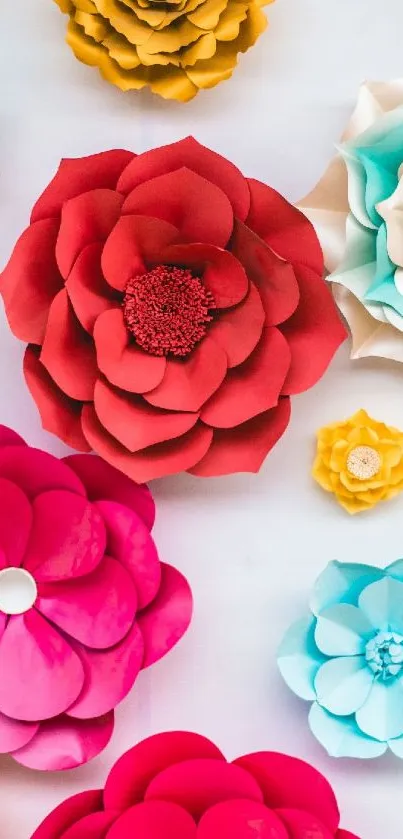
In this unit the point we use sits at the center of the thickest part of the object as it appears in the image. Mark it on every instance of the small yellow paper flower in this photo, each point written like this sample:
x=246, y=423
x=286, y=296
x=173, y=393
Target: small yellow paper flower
x=175, y=47
x=360, y=460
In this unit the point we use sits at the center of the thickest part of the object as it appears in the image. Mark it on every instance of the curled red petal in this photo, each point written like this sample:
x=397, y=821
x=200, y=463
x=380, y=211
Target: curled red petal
x=199, y=209
x=206, y=163
x=59, y=414
x=233, y=820
x=253, y=387
x=283, y=227
x=156, y=461
x=14, y=734
x=244, y=448
x=30, y=281
x=189, y=382
x=93, y=826
x=65, y=743
x=122, y=362
x=134, y=243
x=154, y=820
x=313, y=333
x=80, y=174
x=134, y=422
x=85, y=219
x=222, y=274
x=67, y=813
x=239, y=329
x=68, y=352
x=301, y=824
x=274, y=279
x=133, y=772
x=168, y=616
x=88, y=292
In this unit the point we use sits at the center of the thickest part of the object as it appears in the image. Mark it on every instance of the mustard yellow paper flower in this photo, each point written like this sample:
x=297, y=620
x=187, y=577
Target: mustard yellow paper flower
x=360, y=460
x=175, y=47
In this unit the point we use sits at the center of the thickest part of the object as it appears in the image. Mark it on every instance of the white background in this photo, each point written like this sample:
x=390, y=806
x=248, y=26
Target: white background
x=251, y=546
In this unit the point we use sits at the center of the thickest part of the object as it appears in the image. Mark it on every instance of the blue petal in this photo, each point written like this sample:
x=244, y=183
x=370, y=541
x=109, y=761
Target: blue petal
x=395, y=570
x=299, y=658
x=342, y=582
x=342, y=630
x=381, y=716
x=382, y=603
x=342, y=684
x=341, y=736
x=396, y=746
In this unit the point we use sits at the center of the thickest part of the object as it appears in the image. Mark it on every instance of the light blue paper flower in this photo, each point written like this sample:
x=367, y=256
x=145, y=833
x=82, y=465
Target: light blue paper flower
x=347, y=659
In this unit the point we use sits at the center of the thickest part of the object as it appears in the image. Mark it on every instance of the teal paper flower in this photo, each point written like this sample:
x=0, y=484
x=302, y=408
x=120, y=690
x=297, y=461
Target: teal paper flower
x=347, y=659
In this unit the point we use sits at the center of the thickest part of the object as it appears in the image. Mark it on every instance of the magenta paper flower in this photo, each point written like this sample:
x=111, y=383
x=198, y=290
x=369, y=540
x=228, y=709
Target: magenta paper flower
x=85, y=603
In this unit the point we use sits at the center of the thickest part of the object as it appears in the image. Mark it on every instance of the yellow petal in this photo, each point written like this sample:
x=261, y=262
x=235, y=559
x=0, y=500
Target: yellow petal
x=230, y=21
x=321, y=475
x=94, y=25
x=353, y=505
x=124, y=79
x=338, y=455
x=157, y=58
x=208, y=13
x=124, y=21
x=65, y=6
x=84, y=48
x=204, y=48
x=205, y=74
x=251, y=28
x=121, y=51
x=173, y=83
x=363, y=436
x=173, y=38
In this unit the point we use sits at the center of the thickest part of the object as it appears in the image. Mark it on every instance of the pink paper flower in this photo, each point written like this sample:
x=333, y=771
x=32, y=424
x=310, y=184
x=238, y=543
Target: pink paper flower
x=85, y=603
x=178, y=785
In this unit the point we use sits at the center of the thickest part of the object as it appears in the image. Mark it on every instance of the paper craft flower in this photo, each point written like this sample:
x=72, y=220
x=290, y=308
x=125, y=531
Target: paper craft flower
x=175, y=47
x=357, y=211
x=179, y=784
x=85, y=603
x=172, y=306
x=347, y=658
x=360, y=461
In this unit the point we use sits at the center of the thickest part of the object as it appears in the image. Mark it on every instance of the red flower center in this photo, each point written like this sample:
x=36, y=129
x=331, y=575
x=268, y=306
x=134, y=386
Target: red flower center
x=167, y=310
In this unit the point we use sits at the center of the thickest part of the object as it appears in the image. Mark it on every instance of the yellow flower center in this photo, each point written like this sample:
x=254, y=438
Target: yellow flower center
x=363, y=462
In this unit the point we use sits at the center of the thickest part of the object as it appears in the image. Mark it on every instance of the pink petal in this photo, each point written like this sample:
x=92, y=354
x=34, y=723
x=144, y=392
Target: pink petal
x=97, y=610
x=239, y=329
x=189, y=382
x=93, y=826
x=110, y=674
x=67, y=813
x=235, y=819
x=152, y=820
x=14, y=734
x=134, y=243
x=129, y=541
x=79, y=174
x=345, y=834
x=88, y=292
x=15, y=521
x=122, y=362
x=254, y=386
x=103, y=482
x=87, y=218
x=66, y=743
x=68, y=537
x=302, y=825
x=42, y=675
x=167, y=618
x=196, y=785
x=132, y=773
x=35, y=471
x=221, y=273
x=8, y=437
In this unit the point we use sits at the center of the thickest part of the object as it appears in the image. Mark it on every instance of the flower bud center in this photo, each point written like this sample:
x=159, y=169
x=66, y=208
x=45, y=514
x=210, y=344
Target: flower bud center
x=384, y=655
x=363, y=462
x=18, y=591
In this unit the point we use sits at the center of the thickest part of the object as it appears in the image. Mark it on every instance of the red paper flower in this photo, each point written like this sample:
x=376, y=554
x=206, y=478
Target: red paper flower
x=172, y=306
x=84, y=601
x=179, y=785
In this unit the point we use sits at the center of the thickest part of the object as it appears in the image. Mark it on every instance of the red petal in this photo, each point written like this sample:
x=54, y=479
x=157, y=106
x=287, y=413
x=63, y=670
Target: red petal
x=68, y=352
x=238, y=330
x=313, y=333
x=68, y=537
x=167, y=618
x=89, y=294
x=15, y=734
x=68, y=813
x=199, y=159
x=302, y=825
x=290, y=782
x=274, y=279
x=59, y=414
x=35, y=471
x=345, y=834
x=244, y=448
x=154, y=462
x=86, y=219
x=222, y=274
x=65, y=743
x=135, y=423
x=8, y=437
x=195, y=206
x=189, y=382
x=79, y=174
x=30, y=281
x=102, y=481
x=153, y=820
x=129, y=541
x=125, y=365
x=283, y=227
x=131, y=775
x=253, y=387
x=135, y=242
x=198, y=784
x=15, y=522
x=93, y=826
x=236, y=819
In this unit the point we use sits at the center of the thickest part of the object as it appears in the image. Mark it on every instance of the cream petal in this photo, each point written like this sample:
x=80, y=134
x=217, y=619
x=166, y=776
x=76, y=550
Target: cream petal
x=327, y=209
x=369, y=337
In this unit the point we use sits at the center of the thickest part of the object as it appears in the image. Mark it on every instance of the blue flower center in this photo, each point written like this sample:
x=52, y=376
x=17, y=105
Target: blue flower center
x=384, y=655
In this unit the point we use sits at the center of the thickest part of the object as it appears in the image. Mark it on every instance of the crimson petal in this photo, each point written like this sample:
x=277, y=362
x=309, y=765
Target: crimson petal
x=93, y=826
x=189, y=382
x=222, y=274
x=65, y=743
x=238, y=330
x=188, y=152
x=235, y=819
x=8, y=437
x=30, y=281
x=88, y=292
x=15, y=522
x=153, y=820
x=14, y=734
x=303, y=825
x=125, y=365
x=167, y=618
x=134, y=243
x=244, y=448
x=85, y=219
x=77, y=175
x=35, y=471
x=67, y=813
